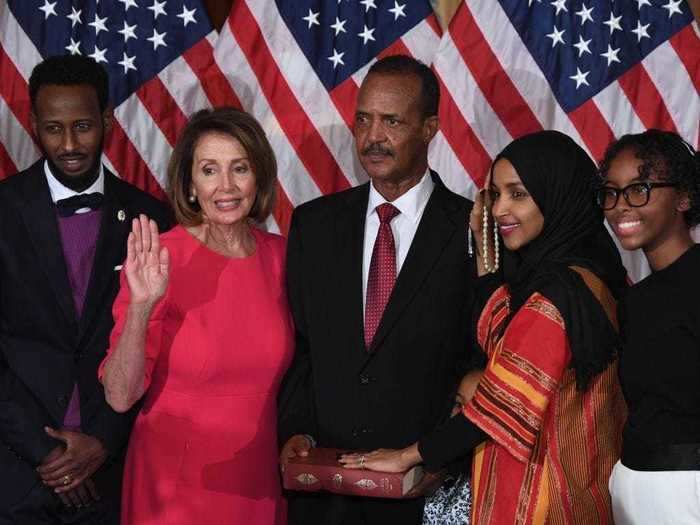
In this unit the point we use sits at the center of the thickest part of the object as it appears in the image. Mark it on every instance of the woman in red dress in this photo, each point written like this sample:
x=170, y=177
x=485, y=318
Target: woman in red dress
x=204, y=336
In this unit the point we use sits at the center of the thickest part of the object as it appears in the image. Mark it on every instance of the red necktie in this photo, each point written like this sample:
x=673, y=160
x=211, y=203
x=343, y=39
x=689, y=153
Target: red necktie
x=382, y=271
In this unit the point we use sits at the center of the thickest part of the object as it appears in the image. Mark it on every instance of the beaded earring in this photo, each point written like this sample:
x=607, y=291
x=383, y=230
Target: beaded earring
x=485, y=240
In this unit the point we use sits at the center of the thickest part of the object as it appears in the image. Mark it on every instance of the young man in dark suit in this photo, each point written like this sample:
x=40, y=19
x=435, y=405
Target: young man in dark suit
x=380, y=287
x=63, y=227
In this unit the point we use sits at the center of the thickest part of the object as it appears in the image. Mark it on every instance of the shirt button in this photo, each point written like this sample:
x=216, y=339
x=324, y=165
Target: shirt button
x=364, y=380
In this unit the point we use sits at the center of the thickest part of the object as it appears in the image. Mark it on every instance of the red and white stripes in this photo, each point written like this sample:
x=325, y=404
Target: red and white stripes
x=310, y=129
x=492, y=92
x=146, y=125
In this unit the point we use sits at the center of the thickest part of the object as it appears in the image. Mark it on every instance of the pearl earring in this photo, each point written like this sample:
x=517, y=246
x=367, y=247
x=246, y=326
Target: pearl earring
x=485, y=247
x=192, y=199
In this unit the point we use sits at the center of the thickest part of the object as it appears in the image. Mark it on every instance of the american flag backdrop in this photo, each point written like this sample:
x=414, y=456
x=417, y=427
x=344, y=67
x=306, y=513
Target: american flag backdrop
x=297, y=67
x=594, y=69
x=158, y=54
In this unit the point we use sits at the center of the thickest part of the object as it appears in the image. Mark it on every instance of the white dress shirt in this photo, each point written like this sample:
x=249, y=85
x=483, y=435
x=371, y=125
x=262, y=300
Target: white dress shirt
x=411, y=205
x=59, y=191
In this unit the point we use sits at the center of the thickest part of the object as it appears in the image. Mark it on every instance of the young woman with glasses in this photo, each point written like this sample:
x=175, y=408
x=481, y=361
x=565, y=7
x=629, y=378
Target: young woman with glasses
x=651, y=198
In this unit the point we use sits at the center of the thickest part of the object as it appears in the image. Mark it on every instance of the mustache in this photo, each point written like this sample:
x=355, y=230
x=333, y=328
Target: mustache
x=377, y=149
x=71, y=156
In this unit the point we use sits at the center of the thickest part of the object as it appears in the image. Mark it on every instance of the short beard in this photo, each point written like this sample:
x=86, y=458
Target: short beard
x=81, y=182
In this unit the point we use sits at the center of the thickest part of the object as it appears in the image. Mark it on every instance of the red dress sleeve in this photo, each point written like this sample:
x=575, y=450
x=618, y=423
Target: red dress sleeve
x=524, y=372
x=154, y=332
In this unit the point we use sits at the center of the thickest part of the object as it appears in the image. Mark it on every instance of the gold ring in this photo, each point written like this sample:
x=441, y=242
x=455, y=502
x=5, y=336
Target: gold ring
x=66, y=479
x=362, y=461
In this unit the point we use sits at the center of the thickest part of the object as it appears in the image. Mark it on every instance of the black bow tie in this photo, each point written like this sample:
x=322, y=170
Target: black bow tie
x=68, y=207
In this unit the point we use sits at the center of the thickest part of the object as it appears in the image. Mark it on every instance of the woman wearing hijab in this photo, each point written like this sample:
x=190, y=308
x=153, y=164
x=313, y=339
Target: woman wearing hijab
x=545, y=419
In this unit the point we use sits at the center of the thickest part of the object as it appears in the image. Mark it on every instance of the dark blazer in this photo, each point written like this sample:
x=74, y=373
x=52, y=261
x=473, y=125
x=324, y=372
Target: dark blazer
x=399, y=390
x=44, y=348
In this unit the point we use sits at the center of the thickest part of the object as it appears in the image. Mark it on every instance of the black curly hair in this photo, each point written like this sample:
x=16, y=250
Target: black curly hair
x=70, y=70
x=666, y=155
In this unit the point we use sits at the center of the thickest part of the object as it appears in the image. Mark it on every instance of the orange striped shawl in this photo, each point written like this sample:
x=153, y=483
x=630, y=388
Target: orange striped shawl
x=552, y=448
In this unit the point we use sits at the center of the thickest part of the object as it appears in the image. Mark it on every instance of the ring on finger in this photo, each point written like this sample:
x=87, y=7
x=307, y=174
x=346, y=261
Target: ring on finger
x=362, y=461
x=66, y=479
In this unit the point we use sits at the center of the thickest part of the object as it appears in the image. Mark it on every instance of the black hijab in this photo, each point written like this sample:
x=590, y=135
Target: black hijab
x=561, y=178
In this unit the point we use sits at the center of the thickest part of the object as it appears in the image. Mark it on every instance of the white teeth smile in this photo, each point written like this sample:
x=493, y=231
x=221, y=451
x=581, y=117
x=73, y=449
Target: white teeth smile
x=627, y=225
x=227, y=204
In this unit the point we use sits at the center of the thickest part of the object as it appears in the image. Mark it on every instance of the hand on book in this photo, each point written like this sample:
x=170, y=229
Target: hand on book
x=321, y=470
x=297, y=445
x=384, y=459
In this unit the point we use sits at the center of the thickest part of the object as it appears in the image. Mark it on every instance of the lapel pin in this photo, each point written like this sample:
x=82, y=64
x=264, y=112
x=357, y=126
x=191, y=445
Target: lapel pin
x=121, y=215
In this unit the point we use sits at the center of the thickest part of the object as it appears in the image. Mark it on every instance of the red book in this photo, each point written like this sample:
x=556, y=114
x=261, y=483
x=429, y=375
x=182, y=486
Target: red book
x=320, y=470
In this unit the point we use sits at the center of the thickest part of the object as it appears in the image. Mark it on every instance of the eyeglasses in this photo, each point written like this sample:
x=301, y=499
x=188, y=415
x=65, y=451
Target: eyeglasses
x=636, y=195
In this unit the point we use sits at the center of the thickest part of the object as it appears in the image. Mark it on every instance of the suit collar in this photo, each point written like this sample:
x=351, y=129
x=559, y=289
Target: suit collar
x=437, y=226
x=39, y=216
x=113, y=231
x=440, y=221
x=348, y=240
x=411, y=204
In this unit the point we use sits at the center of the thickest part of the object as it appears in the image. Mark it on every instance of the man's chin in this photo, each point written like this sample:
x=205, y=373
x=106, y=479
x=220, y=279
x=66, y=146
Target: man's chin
x=78, y=172
x=377, y=170
x=80, y=177
x=75, y=173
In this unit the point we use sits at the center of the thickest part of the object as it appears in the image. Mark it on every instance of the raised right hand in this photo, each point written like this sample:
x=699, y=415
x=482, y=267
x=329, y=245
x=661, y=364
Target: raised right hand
x=297, y=445
x=147, y=264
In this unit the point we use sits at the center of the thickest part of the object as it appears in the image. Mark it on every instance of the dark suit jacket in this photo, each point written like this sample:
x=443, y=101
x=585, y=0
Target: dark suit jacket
x=44, y=348
x=399, y=390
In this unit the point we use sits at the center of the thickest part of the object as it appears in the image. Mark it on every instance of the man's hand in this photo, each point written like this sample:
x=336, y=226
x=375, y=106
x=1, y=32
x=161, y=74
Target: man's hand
x=81, y=458
x=81, y=496
x=54, y=454
x=298, y=445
